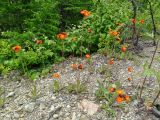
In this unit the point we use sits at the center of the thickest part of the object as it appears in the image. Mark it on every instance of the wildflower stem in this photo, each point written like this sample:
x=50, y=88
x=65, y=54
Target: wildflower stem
x=156, y=98
x=142, y=87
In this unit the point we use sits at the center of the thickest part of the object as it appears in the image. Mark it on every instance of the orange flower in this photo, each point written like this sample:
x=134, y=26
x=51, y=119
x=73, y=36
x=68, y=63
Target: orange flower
x=88, y=56
x=85, y=13
x=130, y=69
x=120, y=92
x=113, y=33
x=112, y=89
x=133, y=21
x=16, y=48
x=119, y=99
x=39, y=41
x=80, y=66
x=127, y=98
x=123, y=49
x=129, y=79
x=141, y=21
x=62, y=35
x=111, y=61
x=74, y=66
x=56, y=75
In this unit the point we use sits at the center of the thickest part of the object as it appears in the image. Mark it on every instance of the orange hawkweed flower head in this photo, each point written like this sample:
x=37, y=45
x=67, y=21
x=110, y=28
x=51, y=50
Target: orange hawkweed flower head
x=123, y=48
x=62, y=35
x=119, y=99
x=111, y=61
x=129, y=79
x=130, y=69
x=113, y=33
x=74, y=66
x=88, y=56
x=120, y=92
x=85, y=13
x=17, y=48
x=133, y=21
x=127, y=98
x=80, y=66
x=56, y=75
x=112, y=89
x=39, y=41
x=141, y=21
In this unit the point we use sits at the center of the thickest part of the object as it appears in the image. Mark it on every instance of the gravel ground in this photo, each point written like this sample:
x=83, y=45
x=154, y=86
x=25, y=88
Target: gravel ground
x=64, y=106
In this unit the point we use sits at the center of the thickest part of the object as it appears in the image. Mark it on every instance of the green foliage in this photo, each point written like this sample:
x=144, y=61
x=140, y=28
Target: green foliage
x=76, y=87
x=56, y=86
x=70, y=10
x=45, y=18
x=2, y=101
x=107, y=96
x=34, y=92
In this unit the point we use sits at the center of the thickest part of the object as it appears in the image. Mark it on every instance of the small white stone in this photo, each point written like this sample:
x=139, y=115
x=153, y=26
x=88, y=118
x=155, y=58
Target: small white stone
x=11, y=94
x=29, y=107
x=74, y=116
x=42, y=106
x=55, y=116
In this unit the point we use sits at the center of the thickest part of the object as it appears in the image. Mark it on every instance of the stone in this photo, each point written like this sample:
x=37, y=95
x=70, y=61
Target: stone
x=52, y=108
x=42, y=106
x=74, y=116
x=29, y=107
x=83, y=117
x=88, y=106
x=11, y=94
x=55, y=116
x=16, y=115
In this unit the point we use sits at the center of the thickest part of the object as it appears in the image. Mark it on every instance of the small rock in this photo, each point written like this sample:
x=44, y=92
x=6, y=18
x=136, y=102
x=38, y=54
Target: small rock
x=88, y=106
x=53, y=98
x=55, y=116
x=84, y=118
x=29, y=107
x=11, y=94
x=42, y=106
x=74, y=116
x=16, y=115
x=68, y=106
x=52, y=108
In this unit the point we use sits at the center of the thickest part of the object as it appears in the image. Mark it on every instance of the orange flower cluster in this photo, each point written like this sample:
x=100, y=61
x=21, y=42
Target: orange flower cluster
x=129, y=78
x=88, y=56
x=130, y=69
x=111, y=61
x=56, y=75
x=123, y=49
x=114, y=33
x=141, y=21
x=76, y=66
x=85, y=13
x=17, y=48
x=122, y=97
x=112, y=89
x=62, y=35
x=133, y=21
x=39, y=41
